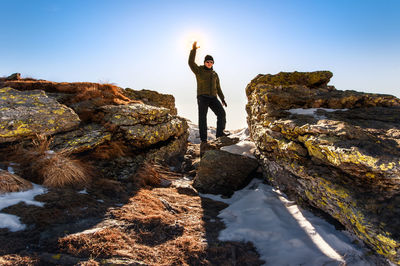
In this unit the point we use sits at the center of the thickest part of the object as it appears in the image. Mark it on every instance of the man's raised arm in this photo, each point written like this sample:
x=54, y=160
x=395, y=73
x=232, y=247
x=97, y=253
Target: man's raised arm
x=193, y=66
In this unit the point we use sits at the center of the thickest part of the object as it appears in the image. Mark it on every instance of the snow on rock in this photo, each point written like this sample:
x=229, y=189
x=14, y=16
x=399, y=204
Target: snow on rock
x=312, y=111
x=282, y=233
x=244, y=147
x=12, y=222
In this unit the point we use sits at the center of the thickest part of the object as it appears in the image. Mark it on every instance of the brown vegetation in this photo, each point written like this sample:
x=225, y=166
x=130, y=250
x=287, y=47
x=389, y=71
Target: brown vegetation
x=12, y=183
x=13, y=259
x=160, y=227
x=52, y=169
x=146, y=176
x=151, y=233
x=108, y=187
x=110, y=150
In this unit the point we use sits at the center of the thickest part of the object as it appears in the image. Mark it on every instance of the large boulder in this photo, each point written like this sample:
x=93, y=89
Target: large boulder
x=144, y=125
x=221, y=172
x=337, y=150
x=26, y=113
x=153, y=98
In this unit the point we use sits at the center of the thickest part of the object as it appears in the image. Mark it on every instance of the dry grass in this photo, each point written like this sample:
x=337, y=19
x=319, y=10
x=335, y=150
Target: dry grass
x=14, y=259
x=146, y=176
x=57, y=170
x=12, y=183
x=101, y=244
x=110, y=150
x=156, y=231
x=108, y=187
x=52, y=169
x=90, y=262
x=159, y=227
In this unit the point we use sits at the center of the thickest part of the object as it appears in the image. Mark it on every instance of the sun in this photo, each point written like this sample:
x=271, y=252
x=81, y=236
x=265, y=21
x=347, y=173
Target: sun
x=195, y=36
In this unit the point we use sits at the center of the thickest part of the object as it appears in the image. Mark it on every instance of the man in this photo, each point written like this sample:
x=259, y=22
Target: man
x=208, y=88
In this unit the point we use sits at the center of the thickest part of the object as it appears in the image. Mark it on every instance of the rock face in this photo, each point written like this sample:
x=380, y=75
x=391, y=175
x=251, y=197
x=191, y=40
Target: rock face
x=153, y=98
x=221, y=172
x=84, y=138
x=28, y=113
x=337, y=150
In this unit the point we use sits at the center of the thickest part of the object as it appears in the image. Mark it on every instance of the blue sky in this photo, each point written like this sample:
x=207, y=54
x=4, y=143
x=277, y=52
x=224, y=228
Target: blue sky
x=145, y=44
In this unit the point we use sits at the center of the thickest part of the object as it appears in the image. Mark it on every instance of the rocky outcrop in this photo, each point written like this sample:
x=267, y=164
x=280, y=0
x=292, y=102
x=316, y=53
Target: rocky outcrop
x=337, y=150
x=144, y=125
x=153, y=98
x=221, y=172
x=95, y=122
x=27, y=113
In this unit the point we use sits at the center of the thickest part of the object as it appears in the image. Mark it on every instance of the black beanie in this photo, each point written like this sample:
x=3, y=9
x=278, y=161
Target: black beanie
x=208, y=57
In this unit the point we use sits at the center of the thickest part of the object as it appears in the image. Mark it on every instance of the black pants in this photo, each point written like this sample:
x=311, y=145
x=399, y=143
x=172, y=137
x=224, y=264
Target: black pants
x=205, y=101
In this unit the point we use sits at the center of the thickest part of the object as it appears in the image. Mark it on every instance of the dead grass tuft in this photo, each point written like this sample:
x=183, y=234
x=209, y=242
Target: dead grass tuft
x=52, y=169
x=12, y=183
x=110, y=150
x=146, y=176
x=57, y=170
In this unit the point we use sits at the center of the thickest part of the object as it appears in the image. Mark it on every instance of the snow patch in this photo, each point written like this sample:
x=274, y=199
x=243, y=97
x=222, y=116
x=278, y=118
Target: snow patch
x=281, y=232
x=12, y=222
x=83, y=191
x=10, y=169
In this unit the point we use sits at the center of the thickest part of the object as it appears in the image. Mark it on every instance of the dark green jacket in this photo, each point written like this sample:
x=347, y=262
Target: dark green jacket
x=207, y=79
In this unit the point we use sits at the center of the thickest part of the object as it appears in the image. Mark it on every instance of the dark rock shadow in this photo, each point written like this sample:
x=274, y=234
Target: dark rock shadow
x=154, y=232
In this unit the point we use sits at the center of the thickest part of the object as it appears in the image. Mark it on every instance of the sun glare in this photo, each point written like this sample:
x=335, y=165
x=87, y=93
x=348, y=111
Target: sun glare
x=191, y=37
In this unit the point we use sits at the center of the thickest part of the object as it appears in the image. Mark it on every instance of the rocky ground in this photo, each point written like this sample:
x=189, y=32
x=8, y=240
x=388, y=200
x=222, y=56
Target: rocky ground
x=114, y=224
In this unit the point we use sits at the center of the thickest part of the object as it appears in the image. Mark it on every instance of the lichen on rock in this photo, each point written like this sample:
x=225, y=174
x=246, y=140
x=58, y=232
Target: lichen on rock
x=142, y=136
x=84, y=138
x=337, y=150
x=26, y=113
x=153, y=98
x=133, y=114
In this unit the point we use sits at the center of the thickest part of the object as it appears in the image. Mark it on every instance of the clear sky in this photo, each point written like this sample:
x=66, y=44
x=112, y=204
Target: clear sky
x=145, y=44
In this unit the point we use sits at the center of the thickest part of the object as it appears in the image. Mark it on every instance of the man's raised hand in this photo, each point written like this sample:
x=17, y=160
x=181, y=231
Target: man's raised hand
x=195, y=46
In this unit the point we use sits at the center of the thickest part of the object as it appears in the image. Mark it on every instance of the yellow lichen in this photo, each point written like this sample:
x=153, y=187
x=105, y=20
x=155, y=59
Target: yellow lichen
x=370, y=175
x=59, y=111
x=309, y=195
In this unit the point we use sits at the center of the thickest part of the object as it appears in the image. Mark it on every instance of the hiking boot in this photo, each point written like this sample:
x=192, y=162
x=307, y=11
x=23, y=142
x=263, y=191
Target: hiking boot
x=223, y=135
